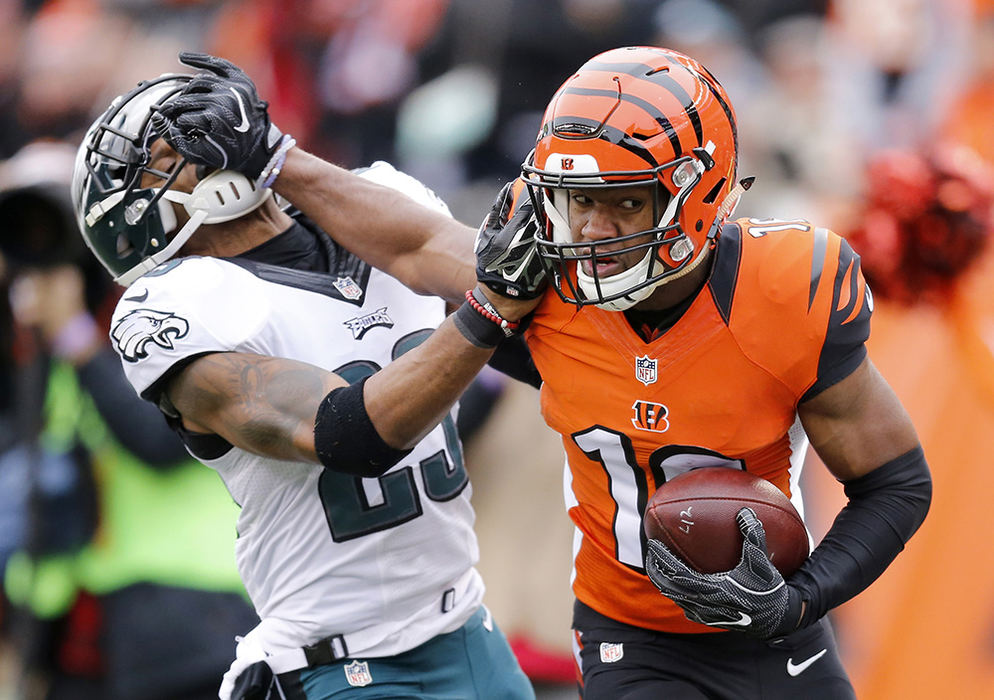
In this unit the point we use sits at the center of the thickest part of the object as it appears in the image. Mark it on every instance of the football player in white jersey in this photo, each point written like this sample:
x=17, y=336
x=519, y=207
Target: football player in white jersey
x=321, y=389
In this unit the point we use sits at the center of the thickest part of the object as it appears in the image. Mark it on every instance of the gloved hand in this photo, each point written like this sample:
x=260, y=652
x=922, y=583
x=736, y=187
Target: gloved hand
x=752, y=598
x=254, y=683
x=219, y=121
x=249, y=677
x=506, y=259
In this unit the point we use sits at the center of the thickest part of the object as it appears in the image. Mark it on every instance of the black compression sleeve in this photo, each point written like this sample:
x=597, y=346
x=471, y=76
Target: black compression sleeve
x=346, y=440
x=885, y=509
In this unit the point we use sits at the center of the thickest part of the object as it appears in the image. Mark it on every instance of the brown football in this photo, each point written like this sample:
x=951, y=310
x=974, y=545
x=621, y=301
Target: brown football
x=694, y=515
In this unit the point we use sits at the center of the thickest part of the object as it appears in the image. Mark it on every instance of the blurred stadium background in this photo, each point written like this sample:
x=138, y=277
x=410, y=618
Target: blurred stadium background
x=452, y=91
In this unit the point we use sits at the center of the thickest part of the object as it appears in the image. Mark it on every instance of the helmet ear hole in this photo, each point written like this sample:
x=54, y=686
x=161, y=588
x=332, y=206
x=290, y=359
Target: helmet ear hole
x=711, y=196
x=124, y=247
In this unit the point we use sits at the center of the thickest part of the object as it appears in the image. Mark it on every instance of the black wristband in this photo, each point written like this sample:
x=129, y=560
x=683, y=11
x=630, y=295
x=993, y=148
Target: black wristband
x=346, y=440
x=480, y=323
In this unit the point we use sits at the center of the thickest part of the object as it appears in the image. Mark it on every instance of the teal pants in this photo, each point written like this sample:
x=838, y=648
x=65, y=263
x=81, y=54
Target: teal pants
x=473, y=663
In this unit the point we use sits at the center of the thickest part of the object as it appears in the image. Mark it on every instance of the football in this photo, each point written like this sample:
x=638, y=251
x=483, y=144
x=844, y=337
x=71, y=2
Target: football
x=694, y=515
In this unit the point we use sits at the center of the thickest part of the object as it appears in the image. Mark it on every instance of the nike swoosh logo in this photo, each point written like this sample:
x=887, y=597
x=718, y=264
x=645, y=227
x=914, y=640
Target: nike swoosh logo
x=743, y=621
x=138, y=297
x=244, y=126
x=797, y=669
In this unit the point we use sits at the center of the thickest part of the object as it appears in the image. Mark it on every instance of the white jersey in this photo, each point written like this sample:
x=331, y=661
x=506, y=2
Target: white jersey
x=388, y=563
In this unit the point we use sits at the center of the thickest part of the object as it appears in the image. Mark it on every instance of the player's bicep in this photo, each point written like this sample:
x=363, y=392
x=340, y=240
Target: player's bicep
x=261, y=404
x=857, y=424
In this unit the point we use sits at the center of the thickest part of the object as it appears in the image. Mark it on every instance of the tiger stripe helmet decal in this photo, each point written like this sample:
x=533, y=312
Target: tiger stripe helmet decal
x=635, y=116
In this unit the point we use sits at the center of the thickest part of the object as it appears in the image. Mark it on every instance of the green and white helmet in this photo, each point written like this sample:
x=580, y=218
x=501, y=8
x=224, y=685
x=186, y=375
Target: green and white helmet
x=130, y=228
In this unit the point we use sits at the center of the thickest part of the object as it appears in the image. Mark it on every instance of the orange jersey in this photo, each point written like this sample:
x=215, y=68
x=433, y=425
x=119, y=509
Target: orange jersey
x=784, y=314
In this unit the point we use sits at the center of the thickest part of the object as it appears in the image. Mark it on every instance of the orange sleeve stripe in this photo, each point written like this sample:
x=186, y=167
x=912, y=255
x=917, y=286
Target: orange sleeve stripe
x=859, y=302
x=845, y=291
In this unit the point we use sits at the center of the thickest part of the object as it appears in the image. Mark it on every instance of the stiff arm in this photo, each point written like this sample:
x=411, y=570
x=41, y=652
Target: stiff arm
x=428, y=251
x=268, y=405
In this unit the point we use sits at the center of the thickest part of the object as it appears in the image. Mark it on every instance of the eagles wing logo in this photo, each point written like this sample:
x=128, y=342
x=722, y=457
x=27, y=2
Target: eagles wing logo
x=138, y=328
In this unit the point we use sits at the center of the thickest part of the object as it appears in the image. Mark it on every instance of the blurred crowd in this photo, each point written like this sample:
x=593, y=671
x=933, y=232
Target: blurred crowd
x=869, y=117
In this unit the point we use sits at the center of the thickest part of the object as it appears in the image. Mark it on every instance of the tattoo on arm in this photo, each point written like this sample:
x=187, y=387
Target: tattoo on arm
x=262, y=404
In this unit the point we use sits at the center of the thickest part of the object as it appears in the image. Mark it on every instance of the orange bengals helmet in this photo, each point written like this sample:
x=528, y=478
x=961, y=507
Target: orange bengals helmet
x=634, y=116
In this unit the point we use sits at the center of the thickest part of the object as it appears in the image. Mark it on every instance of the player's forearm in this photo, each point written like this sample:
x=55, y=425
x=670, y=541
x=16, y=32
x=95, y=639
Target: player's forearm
x=426, y=250
x=886, y=506
x=408, y=398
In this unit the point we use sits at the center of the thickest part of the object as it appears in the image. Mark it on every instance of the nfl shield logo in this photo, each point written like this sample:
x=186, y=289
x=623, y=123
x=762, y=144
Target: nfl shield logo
x=611, y=652
x=357, y=674
x=348, y=288
x=645, y=370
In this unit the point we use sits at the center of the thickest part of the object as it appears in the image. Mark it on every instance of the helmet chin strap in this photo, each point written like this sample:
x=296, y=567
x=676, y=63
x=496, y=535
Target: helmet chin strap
x=621, y=281
x=153, y=261
x=631, y=276
x=221, y=196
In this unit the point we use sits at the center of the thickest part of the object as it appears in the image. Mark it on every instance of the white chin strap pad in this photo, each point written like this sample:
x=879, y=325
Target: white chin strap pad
x=554, y=199
x=616, y=284
x=221, y=196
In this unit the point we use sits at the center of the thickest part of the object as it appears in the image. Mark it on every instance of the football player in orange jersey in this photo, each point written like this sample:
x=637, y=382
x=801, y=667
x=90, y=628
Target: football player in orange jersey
x=673, y=338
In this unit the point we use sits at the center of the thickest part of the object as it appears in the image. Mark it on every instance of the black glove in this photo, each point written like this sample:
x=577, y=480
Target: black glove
x=752, y=598
x=506, y=259
x=219, y=121
x=254, y=683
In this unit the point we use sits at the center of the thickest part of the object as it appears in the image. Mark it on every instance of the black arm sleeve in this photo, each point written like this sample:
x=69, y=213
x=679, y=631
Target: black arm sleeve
x=885, y=509
x=346, y=440
x=513, y=358
x=136, y=424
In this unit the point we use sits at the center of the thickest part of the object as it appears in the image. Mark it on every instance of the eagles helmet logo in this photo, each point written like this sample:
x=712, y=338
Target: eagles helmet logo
x=140, y=327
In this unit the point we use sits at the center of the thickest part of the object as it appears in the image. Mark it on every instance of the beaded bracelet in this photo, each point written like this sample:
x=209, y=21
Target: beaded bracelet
x=275, y=165
x=483, y=307
x=480, y=323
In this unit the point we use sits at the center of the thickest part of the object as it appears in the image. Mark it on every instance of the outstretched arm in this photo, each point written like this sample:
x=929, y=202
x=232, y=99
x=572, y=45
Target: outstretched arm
x=269, y=405
x=219, y=121
x=291, y=410
x=429, y=252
